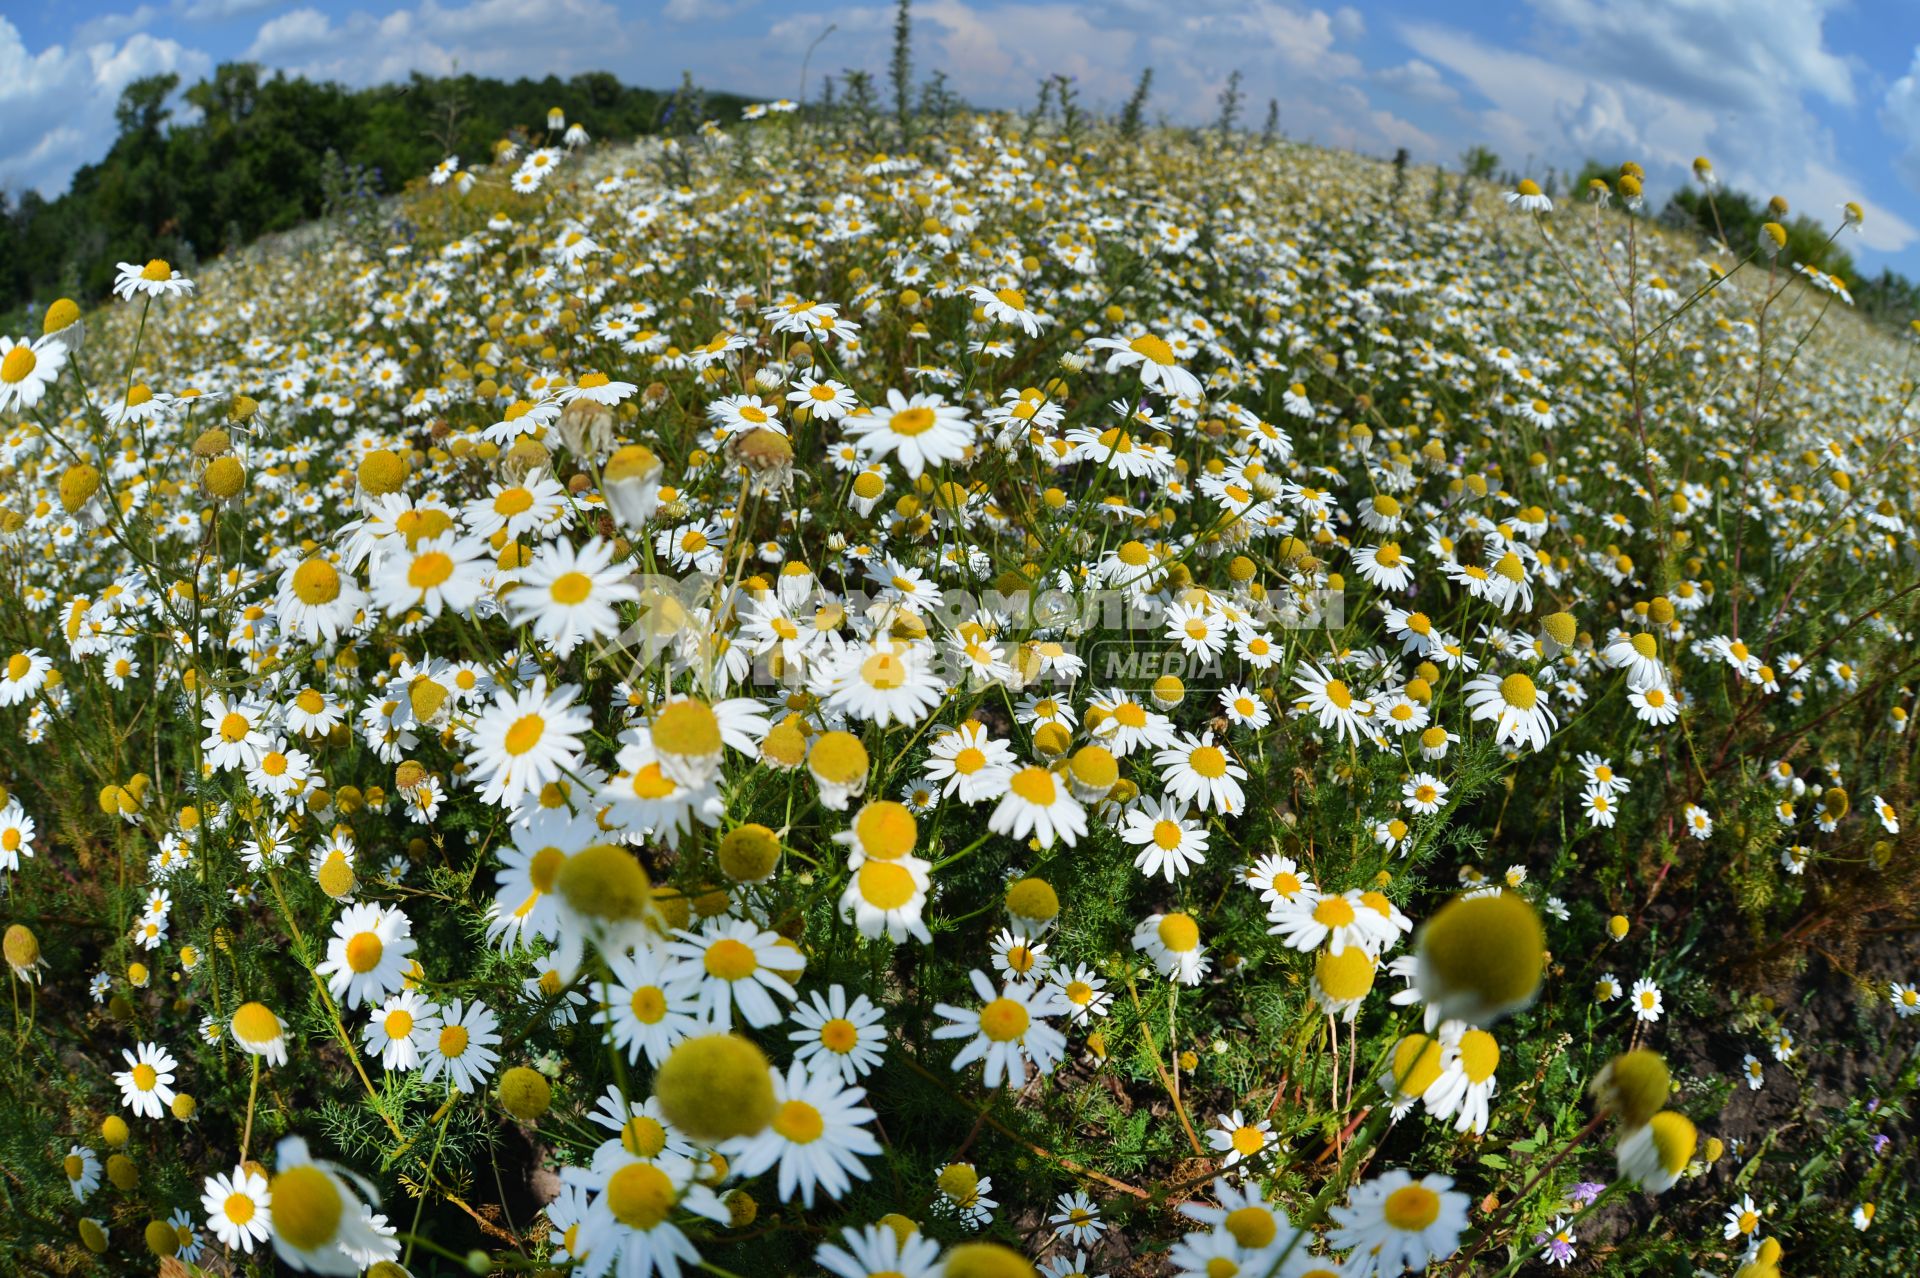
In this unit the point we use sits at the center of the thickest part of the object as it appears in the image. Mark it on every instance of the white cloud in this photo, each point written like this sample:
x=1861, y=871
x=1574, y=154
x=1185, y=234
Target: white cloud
x=1607, y=95
x=59, y=102
x=1419, y=80
x=1900, y=117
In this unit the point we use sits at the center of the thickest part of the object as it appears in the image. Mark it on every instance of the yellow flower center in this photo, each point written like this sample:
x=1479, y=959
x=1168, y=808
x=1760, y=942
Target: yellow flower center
x=1151, y=349
x=571, y=588
x=912, y=421
x=1518, y=691
x=157, y=270
x=1209, y=762
x=1178, y=933
x=399, y=1023
x=1035, y=785
x=430, y=570
x=799, y=1122
x=1003, y=1020
x=639, y=1195
x=730, y=960
x=363, y=952
x=884, y=885
x=1333, y=911
x=306, y=1207
x=839, y=1035
x=18, y=364
x=1411, y=1208
x=453, y=1041
x=1251, y=1227
x=525, y=734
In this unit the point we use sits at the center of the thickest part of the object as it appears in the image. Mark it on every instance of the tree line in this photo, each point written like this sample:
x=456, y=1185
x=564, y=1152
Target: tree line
x=242, y=153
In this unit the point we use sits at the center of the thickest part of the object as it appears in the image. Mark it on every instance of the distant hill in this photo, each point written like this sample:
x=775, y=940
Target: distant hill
x=258, y=153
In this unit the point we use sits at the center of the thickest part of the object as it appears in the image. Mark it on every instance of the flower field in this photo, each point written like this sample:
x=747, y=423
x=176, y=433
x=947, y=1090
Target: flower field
x=1038, y=698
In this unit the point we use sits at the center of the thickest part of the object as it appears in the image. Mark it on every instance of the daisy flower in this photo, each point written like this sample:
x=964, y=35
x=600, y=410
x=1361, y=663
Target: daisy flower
x=817, y=1136
x=82, y=1169
x=570, y=595
x=1516, y=705
x=258, y=1032
x=1037, y=804
x=1198, y=771
x=1394, y=1222
x=738, y=964
x=145, y=1085
x=836, y=1035
x=1084, y=991
x=879, y=1251
x=1645, y=996
x=1172, y=942
x=26, y=370
x=436, y=573
x=524, y=740
x=319, y=1222
x=458, y=1041
x=1076, y=1218
x=919, y=431
x=239, y=1208
x=1007, y=1030
x=652, y=1005
x=367, y=954
x=156, y=278
x=1169, y=843
x=1332, y=702
x=1466, y=1082
x=1239, y=1139
x=628, y=1227
x=1159, y=368
x=390, y=1034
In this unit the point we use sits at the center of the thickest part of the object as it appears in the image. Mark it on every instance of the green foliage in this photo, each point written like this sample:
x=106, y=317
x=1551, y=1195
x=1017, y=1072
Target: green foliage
x=256, y=160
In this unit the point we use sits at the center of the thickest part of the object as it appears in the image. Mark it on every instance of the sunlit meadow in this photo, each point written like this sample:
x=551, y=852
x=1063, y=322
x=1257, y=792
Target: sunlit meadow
x=867, y=693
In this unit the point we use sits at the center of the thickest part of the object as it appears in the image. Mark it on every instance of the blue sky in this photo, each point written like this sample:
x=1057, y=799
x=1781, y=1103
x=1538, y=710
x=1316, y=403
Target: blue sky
x=1818, y=100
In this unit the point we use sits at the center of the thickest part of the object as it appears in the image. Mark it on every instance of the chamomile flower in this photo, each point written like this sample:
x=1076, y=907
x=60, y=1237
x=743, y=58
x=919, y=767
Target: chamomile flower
x=1240, y=1139
x=239, y=1208
x=1172, y=942
x=146, y=1084
x=1394, y=1223
x=1170, y=844
x=835, y=1034
x=652, y=1004
x=367, y=955
x=817, y=1137
x=739, y=965
x=1008, y=1030
x=458, y=1040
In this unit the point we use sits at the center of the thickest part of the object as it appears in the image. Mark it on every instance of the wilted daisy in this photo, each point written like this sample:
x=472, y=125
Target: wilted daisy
x=259, y=1032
